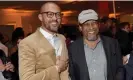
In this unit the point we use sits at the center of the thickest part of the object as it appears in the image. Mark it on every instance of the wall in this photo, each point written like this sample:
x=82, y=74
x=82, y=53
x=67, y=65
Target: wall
x=127, y=18
x=20, y=18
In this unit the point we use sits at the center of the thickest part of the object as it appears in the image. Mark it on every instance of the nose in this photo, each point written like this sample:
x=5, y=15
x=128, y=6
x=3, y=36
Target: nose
x=54, y=17
x=90, y=26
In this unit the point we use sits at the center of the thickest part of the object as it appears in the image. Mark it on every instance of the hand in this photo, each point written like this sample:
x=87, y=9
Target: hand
x=9, y=67
x=2, y=67
x=61, y=64
x=125, y=60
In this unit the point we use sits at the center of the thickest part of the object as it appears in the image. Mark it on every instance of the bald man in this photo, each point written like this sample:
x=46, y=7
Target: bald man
x=43, y=55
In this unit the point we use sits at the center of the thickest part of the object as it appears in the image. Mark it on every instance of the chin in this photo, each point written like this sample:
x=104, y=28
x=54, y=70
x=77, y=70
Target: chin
x=55, y=31
x=92, y=39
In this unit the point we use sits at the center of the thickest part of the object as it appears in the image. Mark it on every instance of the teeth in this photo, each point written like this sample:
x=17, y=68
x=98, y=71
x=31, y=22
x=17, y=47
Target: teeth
x=53, y=23
x=91, y=32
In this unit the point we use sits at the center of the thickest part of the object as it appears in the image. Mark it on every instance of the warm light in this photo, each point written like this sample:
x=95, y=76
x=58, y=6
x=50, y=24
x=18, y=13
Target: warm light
x=11, y=10
x=112, y=15
x=131, y=14
x=69, y=0
x=68, y=13
x=18, y=11
x=73, y=0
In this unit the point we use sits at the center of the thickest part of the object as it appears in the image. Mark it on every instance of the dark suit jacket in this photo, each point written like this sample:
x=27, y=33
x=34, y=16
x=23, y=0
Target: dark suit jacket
x=78, y=66
x=14, y=60
x=129, y=68
x=124, y=41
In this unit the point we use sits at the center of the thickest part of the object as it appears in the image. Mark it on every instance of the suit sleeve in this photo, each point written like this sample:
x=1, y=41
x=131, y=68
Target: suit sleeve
x=64, y=75
x=71, y=67
x=119, y=56
x=27, y=65
x=120, y=73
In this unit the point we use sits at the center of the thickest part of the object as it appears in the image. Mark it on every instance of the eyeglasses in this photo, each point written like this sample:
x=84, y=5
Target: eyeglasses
x=51, y=14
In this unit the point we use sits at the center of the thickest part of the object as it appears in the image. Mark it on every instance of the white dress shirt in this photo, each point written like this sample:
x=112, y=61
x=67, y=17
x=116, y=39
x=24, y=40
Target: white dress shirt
x=53, y=40
x=128, y=56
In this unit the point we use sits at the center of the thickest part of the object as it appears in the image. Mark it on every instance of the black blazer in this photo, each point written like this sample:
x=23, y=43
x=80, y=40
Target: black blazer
x=129, y=68
x=124, y=41
x=77, y=63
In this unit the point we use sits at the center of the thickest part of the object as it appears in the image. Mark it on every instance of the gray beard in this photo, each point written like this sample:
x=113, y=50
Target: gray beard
x=92, y=38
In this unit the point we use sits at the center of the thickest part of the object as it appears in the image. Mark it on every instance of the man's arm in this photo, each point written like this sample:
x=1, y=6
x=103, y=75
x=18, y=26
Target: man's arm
x=120, y=73
x=71, y=67
x=64, y=56
x=27, y=65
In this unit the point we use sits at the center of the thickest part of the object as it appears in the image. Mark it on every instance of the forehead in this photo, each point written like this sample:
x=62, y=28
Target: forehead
x=50, y=7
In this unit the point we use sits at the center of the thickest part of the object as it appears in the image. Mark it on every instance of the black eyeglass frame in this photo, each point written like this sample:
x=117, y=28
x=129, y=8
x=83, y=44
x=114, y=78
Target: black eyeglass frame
x=51, y=14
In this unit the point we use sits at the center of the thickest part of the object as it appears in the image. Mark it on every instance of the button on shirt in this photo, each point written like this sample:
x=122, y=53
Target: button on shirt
x=53, y=40
x=96, y=62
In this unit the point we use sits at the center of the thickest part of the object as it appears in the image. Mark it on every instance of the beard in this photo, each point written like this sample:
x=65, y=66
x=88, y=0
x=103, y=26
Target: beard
x=52, y=26
x=92, y=35
x=92, y=38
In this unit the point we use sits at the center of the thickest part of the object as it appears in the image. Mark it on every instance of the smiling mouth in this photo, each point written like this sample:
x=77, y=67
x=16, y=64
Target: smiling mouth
x=91, y=32
x=54, y=23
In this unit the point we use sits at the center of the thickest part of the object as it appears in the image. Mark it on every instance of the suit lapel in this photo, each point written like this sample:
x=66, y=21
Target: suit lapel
x=45, y=45
x=64, y=52
x=107, y=47
x=82, y=62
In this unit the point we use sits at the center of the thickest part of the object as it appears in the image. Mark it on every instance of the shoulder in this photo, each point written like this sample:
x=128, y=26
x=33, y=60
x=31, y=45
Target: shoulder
x=108, y=39
x=29, y=39
x=61, y=36
x=76, y=43
x=2, y=46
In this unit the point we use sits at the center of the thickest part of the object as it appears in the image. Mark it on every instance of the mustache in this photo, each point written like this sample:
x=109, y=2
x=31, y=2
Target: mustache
x=91, y=30
x=54, y=21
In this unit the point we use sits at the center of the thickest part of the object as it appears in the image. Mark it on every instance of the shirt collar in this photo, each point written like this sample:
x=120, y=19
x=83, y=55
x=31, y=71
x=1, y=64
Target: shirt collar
x=46, y=34
x=98, y=41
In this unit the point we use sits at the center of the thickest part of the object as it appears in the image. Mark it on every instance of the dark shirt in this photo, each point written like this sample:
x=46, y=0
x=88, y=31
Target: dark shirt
x=14, y=59
x=124, y=41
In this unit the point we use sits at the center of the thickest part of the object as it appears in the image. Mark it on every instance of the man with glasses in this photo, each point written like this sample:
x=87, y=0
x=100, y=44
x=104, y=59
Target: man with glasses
x=94, y=57
x=43, y=55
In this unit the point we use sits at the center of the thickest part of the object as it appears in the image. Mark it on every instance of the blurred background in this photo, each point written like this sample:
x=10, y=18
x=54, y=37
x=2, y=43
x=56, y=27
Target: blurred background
x=24, y=14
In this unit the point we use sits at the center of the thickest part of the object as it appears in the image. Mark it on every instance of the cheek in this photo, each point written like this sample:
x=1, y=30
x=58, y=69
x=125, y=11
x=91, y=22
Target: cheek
x=97, y=29
x=59, y=21
x=84, y=31
x=46, y=20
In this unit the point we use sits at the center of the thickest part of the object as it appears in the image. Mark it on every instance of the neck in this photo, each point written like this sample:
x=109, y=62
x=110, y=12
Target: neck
x=91, y=44
x=47, y=30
